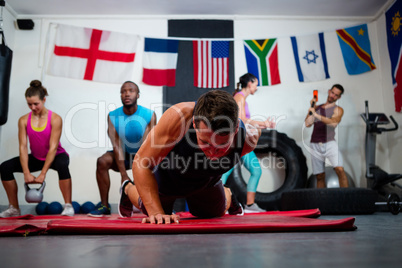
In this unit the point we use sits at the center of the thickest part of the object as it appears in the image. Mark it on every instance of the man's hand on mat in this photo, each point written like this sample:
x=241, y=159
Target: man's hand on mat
x=162, y=219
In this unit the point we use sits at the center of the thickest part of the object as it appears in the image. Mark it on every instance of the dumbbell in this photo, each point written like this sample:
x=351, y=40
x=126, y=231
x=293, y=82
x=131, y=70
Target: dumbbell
x=393, y=203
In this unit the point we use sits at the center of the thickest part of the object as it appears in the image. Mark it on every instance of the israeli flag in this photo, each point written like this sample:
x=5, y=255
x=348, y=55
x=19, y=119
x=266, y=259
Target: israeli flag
x=310, y=57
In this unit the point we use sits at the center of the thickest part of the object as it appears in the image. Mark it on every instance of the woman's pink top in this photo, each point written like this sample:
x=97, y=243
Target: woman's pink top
x=39, y=138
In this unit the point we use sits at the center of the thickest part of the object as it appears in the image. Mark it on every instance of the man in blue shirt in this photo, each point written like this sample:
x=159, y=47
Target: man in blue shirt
x=127, y=128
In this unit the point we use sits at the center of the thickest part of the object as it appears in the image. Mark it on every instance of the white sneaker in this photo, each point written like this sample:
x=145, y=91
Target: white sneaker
x=68, y=210
x=10, y=212
x=254, y=208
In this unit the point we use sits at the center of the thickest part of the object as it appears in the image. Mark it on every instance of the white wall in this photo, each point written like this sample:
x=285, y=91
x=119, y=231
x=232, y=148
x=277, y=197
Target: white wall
x=84, y=105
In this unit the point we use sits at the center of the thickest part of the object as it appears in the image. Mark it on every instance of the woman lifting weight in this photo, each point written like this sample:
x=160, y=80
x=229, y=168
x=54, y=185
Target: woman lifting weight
x=43, y=129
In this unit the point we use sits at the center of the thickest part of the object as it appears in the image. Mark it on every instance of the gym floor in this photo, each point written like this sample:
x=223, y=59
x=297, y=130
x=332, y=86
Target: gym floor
x=376, y=243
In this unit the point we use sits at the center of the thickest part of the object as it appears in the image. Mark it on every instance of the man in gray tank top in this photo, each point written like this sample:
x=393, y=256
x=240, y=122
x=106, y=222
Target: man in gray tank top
x=325, y=118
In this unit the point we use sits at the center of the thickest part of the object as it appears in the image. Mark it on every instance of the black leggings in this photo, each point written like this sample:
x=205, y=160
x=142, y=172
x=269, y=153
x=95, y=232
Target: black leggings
x=60, y=164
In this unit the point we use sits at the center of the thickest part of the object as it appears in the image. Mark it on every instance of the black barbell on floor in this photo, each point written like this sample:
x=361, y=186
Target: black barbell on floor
x=393, y=203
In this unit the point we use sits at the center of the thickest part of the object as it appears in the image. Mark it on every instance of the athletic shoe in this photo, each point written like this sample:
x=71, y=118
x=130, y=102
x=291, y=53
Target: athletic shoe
x=235, y=207
x=125, y=206
x=254, y=208
x=101, y=211
x=68, y=210
x=10, y=212
x=136, y=210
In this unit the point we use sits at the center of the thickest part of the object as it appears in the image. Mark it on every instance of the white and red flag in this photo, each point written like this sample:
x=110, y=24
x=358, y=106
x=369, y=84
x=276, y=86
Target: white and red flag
x=91, y=54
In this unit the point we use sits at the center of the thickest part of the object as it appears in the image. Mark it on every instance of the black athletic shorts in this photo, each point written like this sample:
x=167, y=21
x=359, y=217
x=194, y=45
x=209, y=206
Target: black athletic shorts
x=206, y=201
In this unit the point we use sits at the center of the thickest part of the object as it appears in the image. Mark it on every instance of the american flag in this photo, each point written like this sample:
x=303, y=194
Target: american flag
x=211, y=64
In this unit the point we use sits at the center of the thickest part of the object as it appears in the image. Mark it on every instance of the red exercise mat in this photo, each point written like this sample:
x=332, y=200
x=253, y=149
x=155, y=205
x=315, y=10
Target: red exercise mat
x=272, y=221
x=228, y=224
x=307, y=213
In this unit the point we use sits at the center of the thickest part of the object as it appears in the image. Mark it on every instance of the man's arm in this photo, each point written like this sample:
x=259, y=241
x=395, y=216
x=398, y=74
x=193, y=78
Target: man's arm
x=162, y=138
x=117, y=150
x=334, y=120
x=309, y=120
x=252, y=136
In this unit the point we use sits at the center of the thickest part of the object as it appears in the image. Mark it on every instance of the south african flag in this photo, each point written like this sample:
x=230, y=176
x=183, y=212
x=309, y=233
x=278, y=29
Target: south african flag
x=262, y=60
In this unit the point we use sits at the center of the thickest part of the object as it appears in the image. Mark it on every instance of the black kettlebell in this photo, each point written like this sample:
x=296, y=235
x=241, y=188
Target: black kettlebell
x=34, y=195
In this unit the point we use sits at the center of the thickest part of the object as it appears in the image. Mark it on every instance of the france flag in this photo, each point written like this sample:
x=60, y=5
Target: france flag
x=160, y=61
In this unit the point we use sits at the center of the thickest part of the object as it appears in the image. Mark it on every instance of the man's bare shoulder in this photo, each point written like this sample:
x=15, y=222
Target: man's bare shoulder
x=175, y=120
x=338, y=111
x=339, y=108
x=184, y=107
x=180, y=111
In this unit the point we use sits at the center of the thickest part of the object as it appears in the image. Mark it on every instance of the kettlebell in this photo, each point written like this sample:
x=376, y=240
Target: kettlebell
x=34, y=195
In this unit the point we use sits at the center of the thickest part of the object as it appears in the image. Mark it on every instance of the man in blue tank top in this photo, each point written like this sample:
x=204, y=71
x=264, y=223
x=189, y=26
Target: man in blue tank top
x=127, y=128
x=185, y=155
x=325, y=119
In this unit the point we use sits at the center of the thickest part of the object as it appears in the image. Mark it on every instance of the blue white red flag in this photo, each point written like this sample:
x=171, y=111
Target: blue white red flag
x=160, y=61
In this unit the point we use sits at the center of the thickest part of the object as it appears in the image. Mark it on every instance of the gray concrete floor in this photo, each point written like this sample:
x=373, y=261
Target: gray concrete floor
x=376, y=243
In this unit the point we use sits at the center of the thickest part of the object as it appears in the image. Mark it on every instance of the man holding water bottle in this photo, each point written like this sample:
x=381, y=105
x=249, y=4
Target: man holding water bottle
x=325, y=118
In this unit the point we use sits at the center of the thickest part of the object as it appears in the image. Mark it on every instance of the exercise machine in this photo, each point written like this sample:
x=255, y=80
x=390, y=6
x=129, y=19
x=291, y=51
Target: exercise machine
x=375, y=175
x=378, y=179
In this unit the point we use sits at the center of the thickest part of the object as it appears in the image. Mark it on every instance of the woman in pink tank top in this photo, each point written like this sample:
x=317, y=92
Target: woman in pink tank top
x=42, y=128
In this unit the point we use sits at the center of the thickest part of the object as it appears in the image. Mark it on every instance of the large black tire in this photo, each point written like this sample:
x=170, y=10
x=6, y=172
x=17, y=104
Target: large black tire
x=331, y=201
x=272, y=141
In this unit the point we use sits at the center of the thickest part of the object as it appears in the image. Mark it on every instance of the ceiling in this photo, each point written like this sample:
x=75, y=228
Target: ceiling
x=298, y=8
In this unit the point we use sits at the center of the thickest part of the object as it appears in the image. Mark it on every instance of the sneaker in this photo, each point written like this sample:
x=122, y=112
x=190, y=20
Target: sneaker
x=68, y=210
x=136, y=210
x=10, y=212
x=125, y=206
x=235, y=207
x=254, y=208
x=101, y=211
